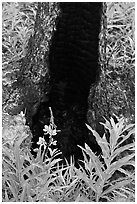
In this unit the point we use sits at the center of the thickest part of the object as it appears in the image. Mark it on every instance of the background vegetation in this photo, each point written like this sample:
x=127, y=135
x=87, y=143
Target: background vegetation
x=22, y=23
x=115, y=93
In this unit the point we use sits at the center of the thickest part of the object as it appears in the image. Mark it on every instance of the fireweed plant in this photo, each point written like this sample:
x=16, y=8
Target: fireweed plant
x=51, y=131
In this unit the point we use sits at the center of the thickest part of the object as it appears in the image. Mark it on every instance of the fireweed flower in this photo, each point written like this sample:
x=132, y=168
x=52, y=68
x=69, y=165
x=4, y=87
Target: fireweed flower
x=42, y=142
x=49, y=130
x=53, y=142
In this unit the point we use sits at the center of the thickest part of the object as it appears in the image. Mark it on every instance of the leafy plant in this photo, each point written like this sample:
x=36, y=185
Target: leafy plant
x=109, y=176
x=17, y=23
x=29, y=179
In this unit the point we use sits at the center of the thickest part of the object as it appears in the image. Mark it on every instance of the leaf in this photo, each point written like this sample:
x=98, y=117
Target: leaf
x=45, y=186
x=101, y=141
x=23, y=194
x=53, y=163
x=125, y=137
x=126, y=172
x=120, y=193
x=116, y=26
x=115, y=131
x=132, y=44
x=117, y=185
x=97, y=164
x=121, y=149
x=13, y=190
x=107, y=124
x=6, y=199
x=116, y=165
x=85, y=160
x=128, y=127
x=82, y=175
x=8, y=155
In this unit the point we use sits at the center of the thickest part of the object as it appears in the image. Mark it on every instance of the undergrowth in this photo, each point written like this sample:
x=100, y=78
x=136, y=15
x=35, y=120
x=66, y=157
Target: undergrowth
x=109, y=177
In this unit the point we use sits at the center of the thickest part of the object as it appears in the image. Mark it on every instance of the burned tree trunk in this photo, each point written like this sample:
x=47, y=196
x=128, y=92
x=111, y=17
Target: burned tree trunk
x=30, y=73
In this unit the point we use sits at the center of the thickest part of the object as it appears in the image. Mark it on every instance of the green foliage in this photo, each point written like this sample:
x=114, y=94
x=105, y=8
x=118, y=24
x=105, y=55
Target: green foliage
x=17, y=26
x=115, y=92
x=102, y=176
x=29, y=179
x=18, y=20
x=109, y=177
x=45, y=179
x=121, y=57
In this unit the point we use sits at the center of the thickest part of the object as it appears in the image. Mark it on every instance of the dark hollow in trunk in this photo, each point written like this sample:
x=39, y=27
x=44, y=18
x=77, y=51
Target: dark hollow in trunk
x=73, y=68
